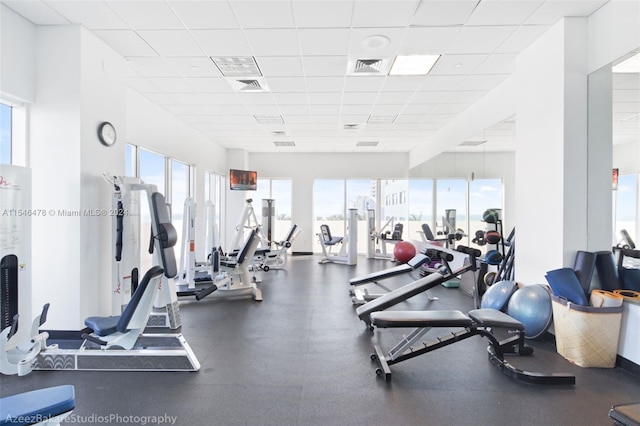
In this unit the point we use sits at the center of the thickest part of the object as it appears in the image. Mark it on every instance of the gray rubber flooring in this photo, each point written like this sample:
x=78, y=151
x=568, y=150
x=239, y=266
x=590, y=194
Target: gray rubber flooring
x=302, y=357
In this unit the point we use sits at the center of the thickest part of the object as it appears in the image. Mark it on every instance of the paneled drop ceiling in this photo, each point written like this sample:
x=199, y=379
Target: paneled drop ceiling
x=304, y=94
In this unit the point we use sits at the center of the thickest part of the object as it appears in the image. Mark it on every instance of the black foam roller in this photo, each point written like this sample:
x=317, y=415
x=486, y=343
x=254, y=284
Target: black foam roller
x=607, y=271
x=584, y=266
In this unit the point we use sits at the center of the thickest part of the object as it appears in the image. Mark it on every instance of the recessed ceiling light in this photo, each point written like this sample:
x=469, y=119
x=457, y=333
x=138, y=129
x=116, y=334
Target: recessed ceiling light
x=367, y=143
x=381, y=119
x=278, y=132
x=413, y=65
x=629, y=65
x=473, y=143
x=284, y=143
x=229, y=66
x=351, y=126
x=265, y=119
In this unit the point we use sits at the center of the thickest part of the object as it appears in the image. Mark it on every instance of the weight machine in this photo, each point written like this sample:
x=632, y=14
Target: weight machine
x=348, y=254
x=382, y=237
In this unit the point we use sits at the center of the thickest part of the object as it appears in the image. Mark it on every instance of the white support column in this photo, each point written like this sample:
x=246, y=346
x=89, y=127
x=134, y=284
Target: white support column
x=557, y=166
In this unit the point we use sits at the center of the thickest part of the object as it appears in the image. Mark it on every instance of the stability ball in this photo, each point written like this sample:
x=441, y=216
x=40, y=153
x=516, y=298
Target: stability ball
x=497, y=296
x=531, y=305
x=404, y=251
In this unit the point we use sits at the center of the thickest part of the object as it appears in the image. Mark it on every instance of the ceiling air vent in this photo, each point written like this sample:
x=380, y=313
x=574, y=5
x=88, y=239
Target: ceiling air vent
x=248, y=84
x=268, y=119
x=237, y=66
x=472, y=143
x=368, y=66
x=367, y=143
x=284, y=143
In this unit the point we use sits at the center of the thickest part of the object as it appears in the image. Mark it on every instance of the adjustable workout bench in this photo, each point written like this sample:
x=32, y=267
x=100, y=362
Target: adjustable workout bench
x=423, y=284
x=39, y=407
x=479, y=322
x=360, y=296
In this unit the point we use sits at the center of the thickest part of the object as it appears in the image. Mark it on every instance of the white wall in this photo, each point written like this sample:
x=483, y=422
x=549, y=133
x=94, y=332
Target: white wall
x=304, y=168
x=17, y=56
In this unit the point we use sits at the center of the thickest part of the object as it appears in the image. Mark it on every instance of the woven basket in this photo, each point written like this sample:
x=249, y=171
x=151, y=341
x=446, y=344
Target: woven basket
x=585, y=335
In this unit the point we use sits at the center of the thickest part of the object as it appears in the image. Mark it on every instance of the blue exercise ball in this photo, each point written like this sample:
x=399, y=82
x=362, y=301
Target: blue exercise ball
x=497, y=296
x=531, y=305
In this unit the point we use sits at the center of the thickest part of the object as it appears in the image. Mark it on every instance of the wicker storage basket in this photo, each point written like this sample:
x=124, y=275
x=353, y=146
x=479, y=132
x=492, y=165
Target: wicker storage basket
x=585, y=335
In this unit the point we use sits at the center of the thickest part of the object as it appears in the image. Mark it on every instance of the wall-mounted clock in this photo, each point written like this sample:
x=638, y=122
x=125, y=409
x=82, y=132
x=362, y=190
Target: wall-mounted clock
x=107, y=133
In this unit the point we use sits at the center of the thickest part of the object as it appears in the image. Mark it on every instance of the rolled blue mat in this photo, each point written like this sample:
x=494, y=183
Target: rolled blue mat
x=564, y=283
x=584, y=266
x=607, y=271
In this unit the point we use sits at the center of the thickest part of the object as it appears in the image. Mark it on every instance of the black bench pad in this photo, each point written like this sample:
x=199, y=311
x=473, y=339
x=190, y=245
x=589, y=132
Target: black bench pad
x=494, y=318
x=388, y=319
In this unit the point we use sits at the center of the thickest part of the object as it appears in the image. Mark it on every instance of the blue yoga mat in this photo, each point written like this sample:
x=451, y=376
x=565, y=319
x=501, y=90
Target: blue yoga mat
x=565, y=283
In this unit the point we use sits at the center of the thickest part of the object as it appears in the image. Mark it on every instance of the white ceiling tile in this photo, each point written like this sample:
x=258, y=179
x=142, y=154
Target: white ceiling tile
x=354, y=119
x=359, y=97
x=431, y=97
x=177, y=109
x=325, y=84
x=394, y=98
x=205, y=14
x=146, y=15
x=429, y=40
x=355, y=109
x=408, y=119
x=291, y=98
x=457, y=64
x=171, y=42
x=205, y=111
x=363, y=83
x=441, y=83
x=263, y=109
x=521, y=38
x=317, y=109
x=223, y=42
x=324, y=65
x=210, y=84
x=93, y=15
x=280, y=66
x=482, y=82
x=171, y=84
x=327, y=98
x=194, y=66
x=326, y=119
x=287, y=84
x=272, y=42
x=263, y=14
x=37, y=12
x=323, y=42
x=250, y=99
x=503, y=12
x=387, y=110
x=383, y=13
x=322, y=14
x=504, y=63
x=126, y=42
x=293, y=110
x=440, y=13
x=480, y=39
x=206, y=98
x=151, y=67
x=407, y=83
x=434, y=108
x=438, y=118
x=551, y=11
x=626, y=95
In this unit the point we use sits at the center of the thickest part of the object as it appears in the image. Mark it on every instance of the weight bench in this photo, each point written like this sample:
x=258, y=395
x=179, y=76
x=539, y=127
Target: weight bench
x=39, y=407
x=626, y=414
x=478, y=322
x=423, y=284
x=414, y=263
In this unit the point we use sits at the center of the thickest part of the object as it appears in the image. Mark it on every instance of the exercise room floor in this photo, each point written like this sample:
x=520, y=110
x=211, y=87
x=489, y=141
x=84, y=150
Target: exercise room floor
x=302, y=357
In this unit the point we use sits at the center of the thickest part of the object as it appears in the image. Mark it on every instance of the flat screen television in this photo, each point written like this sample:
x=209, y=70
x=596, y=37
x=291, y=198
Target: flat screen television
x=243, y=180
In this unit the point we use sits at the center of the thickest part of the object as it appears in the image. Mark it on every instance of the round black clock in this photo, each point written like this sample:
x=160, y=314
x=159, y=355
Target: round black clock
x=107, y=133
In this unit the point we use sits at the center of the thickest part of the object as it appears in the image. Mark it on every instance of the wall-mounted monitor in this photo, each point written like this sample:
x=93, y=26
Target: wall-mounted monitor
x=243, y=180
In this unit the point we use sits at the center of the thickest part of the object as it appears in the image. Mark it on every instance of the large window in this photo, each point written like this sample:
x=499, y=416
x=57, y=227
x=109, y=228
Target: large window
x=625, y=202
x=6, y=132
x=451, y=206
x=180, y=190
x=152, y=168
x=278, y=190
x=328, y=207
x=130, y=160
x=420, y=198
x=483, y=194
